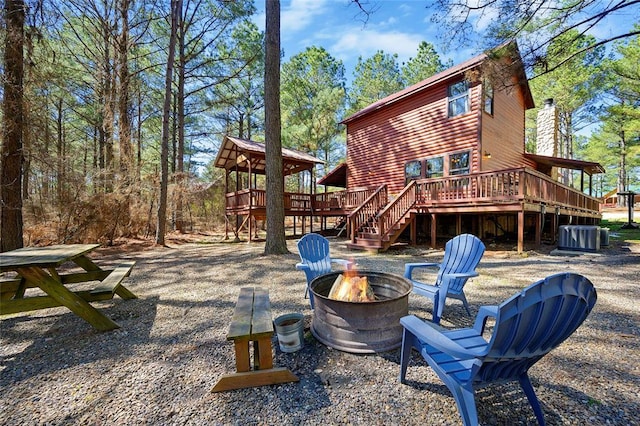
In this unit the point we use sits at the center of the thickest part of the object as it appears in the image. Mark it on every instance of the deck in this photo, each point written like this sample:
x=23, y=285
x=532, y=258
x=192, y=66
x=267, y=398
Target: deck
x=372, y=211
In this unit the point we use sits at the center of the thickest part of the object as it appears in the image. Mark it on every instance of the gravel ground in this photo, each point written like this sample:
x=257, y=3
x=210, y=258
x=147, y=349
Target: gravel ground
x=159, y=368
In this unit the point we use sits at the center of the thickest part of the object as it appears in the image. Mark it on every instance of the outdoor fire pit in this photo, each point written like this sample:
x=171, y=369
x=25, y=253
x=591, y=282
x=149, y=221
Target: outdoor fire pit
x=361, y=327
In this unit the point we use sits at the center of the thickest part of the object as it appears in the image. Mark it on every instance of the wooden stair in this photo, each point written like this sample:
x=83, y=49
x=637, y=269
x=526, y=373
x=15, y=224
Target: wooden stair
x=375, y=226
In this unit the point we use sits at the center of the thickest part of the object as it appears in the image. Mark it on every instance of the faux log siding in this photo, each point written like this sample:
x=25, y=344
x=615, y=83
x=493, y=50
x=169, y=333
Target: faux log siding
x=503, y=133
x=379, y=144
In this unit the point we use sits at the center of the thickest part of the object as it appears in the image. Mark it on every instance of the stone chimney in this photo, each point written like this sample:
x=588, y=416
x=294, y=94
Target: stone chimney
x=547, y=133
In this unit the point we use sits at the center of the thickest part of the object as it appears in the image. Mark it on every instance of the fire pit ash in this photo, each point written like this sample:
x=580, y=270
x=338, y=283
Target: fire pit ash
x=360, y=326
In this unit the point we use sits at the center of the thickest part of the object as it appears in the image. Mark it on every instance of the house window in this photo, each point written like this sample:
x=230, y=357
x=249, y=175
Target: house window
x=459, y=163
x=435, y=167
x=458, y=98
x=488, y=98
x=412, y=170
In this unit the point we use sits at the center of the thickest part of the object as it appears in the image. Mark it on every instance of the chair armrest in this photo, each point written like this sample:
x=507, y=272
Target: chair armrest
x=346, y=263
x=428, y=334
x=446, y=278
x=409, y=267
x=462, y=274
x=302, y=267
x=484, y=313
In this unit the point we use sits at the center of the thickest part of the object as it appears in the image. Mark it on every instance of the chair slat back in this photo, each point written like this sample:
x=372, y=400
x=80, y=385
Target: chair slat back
x=461, y=254
x=314, y=251
x=533, y=322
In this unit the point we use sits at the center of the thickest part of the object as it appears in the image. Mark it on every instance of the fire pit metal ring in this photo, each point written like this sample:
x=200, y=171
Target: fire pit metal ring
x=361, y=327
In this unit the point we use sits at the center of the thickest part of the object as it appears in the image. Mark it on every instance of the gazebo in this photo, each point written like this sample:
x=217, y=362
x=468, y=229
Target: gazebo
x=245, y=160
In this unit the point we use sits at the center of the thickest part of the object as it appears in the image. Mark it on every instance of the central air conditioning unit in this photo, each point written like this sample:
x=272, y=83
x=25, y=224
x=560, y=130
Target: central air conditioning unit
x=604, y=237
x=579, y=238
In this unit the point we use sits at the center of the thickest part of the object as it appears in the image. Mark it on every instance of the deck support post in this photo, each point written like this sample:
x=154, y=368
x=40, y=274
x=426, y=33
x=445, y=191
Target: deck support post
x=433, y=230
x=521, y=231
x=413, y=230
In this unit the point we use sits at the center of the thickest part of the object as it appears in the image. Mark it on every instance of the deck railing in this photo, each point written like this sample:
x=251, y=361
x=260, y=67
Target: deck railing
x=328, y=201
x=495, y=187
x=397, y=209
x=257, y=198
x=367, y=210
x=503, y=186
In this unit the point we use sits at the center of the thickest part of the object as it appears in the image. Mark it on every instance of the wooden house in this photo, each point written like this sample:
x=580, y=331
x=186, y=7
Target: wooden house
x=447, y=156
x=439, y=158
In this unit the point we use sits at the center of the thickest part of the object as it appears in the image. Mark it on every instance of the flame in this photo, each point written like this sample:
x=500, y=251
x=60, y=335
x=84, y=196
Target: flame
x=349, y=287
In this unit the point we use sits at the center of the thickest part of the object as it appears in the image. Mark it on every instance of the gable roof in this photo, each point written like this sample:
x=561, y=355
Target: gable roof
x=336, y=177
x=236, y=152
x=510, y=48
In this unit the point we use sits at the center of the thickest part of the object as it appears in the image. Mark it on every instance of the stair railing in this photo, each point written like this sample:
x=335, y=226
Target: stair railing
x=397, y=209
x=365, y=211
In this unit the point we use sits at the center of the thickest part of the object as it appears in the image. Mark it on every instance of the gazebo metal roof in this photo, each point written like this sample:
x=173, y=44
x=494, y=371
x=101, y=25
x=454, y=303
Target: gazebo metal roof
x=236, y=152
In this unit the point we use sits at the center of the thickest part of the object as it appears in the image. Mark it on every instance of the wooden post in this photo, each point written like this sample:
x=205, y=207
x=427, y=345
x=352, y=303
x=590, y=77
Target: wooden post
x=251, y=202
x=413, y=228
x=65, y=297
x=433, y=230
x=554, y=226
x=226, y=191
x=521, y=230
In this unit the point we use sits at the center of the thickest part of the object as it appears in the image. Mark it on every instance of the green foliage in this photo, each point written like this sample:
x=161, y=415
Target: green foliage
x=616, y=143
x=239, y=100
x=380, y=75
x=426, y=63
x=575, y=88
x=535, y=24
x=374, y=78
x=72, y=90
x=623, y=235
x=312, y=98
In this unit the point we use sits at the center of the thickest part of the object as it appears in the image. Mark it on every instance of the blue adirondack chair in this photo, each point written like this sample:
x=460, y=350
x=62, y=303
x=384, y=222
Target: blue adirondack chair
x=461, y=257
x=315, y=259
x=527, y=326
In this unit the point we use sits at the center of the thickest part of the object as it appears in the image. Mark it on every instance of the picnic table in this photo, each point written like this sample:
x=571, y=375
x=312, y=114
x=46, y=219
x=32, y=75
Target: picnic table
x=39, y=267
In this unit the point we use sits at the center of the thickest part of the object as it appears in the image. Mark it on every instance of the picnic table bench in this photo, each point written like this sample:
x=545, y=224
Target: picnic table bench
x=251, y=323
x=39, y=267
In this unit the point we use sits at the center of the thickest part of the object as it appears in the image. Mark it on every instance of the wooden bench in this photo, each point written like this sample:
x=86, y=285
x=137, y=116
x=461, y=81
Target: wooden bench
x=252, y=322
x=112, y=284
x=9, y=287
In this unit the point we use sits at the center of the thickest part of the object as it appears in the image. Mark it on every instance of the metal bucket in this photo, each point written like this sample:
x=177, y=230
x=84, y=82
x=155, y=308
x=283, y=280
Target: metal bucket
x=361, y=327
x=290, y=331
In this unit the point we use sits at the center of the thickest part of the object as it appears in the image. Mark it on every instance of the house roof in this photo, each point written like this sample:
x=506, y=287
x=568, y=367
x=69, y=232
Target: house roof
x=589, y=167
x=449, y=73
x=236, y=152
x=336, y=177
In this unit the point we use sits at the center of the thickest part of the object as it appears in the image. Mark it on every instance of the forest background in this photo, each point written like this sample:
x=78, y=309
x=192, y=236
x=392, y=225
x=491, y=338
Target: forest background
x=97, y=76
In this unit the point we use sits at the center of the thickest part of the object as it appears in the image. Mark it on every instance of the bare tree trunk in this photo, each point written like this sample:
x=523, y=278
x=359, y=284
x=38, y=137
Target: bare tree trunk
x=108, y=87
x=26, y=113
x=60, y=178
x=180, y=148
x=139, y=137
x=176, y=7
x=276, y=242
x=11, y=157
x=124, y=123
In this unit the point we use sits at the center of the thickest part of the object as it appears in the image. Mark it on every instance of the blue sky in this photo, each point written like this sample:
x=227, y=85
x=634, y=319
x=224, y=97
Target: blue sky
x=338, y=26
x=395, y=26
